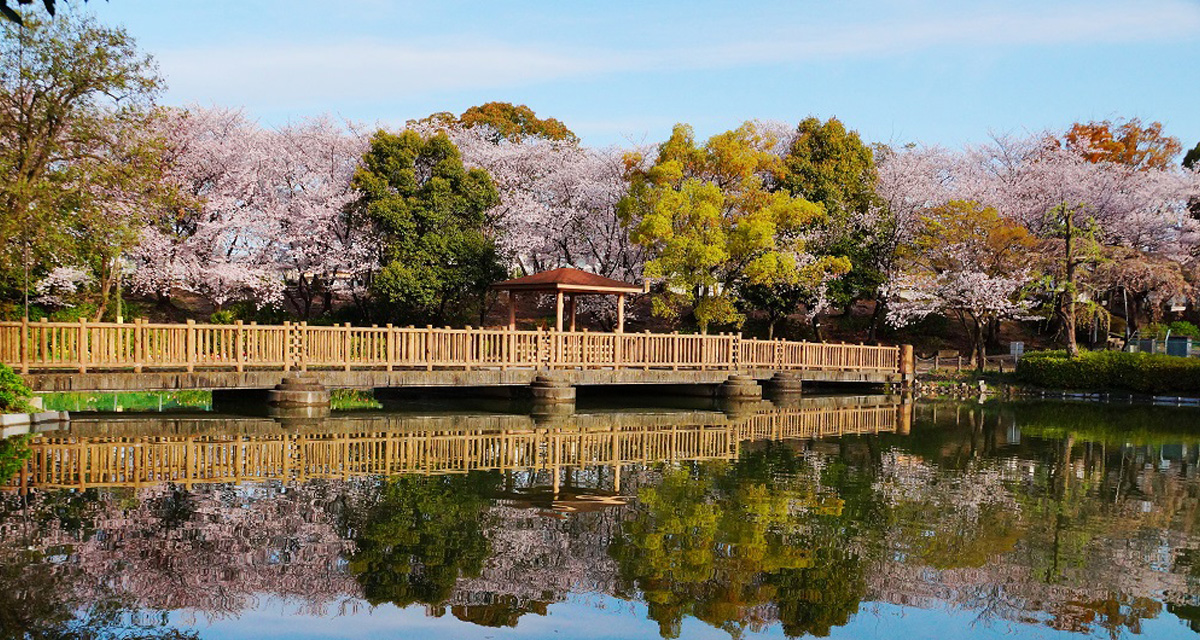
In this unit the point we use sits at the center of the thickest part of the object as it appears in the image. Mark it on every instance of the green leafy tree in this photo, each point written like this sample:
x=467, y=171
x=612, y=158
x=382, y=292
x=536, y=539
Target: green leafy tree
x=79, y=164
x=830, y=165
x=710, y=224
x=415, y=536
x=438, y=257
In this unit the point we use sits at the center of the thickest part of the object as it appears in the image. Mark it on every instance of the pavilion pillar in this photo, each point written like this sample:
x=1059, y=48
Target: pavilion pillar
x=512, y=311
x=558, y=312
x=620, y=313
x=572, y=312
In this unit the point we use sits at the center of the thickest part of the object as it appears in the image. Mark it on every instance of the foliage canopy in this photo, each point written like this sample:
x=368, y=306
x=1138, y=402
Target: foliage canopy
x=437, y=257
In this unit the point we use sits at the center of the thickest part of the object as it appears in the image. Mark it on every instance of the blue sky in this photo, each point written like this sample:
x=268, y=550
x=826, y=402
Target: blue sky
x=945, y=72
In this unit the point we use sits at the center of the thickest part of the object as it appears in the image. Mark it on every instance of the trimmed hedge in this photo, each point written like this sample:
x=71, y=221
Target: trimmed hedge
x=1101, y=370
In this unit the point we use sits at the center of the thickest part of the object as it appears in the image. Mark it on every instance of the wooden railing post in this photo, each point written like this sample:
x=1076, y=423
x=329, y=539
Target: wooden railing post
x=239, y=342
x=250, y=343
x=429, y=347
x=735, y=352
x=288, y=356
x=469, y=350
x=908, y=367
x=674, y=351
x=346, y=346
x=190, y=345
x=82, y=345
x=44, y=341
x=139, y=344
x=302, y=346
x=24, y=344
x=389, y=347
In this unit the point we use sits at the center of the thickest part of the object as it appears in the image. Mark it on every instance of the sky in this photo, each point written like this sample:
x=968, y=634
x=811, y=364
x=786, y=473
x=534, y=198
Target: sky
x=947, y=72
x=598, y=617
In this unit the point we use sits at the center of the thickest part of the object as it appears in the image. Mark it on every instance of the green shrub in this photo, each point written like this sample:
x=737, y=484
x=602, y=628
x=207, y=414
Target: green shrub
x=1140, y=372
x=85, y=310
x=14, y=395
x=1177, y=328
x=1186, y=329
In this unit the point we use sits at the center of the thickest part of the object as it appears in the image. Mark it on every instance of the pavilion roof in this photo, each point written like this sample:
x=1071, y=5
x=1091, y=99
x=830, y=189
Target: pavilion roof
x=567, y=280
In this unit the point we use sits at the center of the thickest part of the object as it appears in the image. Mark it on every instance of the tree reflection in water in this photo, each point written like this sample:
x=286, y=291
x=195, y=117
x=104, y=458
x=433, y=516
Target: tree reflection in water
x=1039, y=514
x=416, y=536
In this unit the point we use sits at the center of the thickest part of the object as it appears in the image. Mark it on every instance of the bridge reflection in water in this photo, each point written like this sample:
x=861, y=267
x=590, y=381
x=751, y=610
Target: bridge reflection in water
x=141, y=451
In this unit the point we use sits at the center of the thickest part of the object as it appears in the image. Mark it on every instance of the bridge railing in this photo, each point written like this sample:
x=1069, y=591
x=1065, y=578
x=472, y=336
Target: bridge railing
x=83, y=462
x=137, y=346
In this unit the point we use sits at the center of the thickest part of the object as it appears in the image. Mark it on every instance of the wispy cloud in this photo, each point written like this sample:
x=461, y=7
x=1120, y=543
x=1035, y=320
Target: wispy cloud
x=373, y=69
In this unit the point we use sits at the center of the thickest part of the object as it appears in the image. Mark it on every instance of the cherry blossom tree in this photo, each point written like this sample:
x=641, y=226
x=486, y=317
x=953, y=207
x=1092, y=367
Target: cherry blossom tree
x=1082, y=210
x=320, y=251
x=264, y=219
x=1081, y=206
x=909, y=180
x=968, y=262
x=558, y=202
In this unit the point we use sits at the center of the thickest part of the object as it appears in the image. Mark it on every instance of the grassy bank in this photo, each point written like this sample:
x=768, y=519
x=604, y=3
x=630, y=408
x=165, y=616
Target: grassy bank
x=1110, y=370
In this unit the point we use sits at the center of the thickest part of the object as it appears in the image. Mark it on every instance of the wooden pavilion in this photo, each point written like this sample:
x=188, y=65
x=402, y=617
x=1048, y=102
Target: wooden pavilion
x=567, y=285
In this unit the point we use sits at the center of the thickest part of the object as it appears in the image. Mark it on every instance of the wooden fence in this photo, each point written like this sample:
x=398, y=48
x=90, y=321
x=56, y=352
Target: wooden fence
x=137, y=346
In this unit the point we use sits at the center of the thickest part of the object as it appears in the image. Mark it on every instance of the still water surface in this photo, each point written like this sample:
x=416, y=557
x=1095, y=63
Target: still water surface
x=839, y=517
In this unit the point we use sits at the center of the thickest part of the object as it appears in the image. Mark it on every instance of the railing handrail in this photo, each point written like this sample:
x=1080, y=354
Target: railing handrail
x=138, y=345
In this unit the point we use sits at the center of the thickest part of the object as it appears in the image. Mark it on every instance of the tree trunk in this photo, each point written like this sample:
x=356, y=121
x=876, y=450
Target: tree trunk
x=106, y=281
x=816, y=325
x=876, y=318
x=980, y=345
x=1069, y=289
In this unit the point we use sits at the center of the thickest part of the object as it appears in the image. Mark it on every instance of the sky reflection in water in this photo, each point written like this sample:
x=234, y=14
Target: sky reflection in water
x=1028, y=520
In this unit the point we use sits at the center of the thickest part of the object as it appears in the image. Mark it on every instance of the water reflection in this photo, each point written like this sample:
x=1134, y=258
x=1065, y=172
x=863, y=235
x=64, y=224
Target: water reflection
x=814, y=519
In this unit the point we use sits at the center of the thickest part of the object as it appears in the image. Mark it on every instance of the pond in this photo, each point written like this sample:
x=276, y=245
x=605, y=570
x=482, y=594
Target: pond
x=846, y=517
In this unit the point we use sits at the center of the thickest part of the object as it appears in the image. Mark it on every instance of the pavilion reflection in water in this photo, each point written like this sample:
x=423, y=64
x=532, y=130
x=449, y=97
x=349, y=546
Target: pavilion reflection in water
x=143, y=451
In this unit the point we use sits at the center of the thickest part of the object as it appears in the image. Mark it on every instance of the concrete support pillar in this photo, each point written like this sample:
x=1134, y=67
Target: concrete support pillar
x=299, y=390
x=558, y=311
x=740, y=387
x=553, y=400
x=785, y=383
x=297, y=417
x=548, y=388
x=552, y=415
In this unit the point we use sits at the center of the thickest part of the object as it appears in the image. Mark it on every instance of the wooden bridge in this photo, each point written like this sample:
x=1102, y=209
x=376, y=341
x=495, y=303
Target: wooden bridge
x=89, y=356
x=116, y=452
